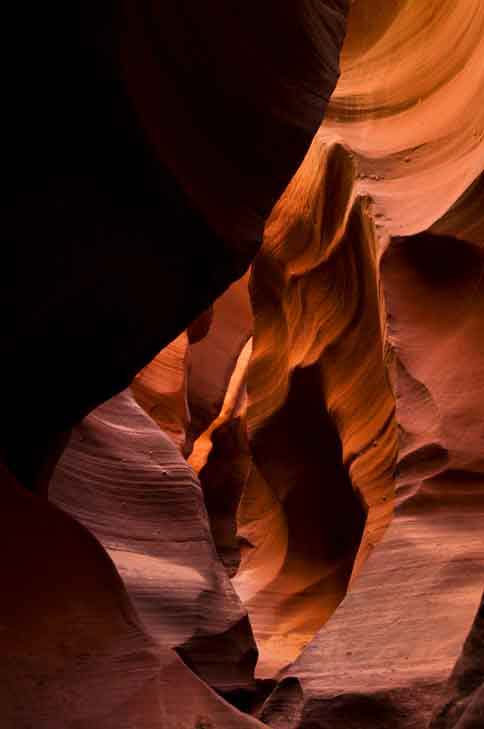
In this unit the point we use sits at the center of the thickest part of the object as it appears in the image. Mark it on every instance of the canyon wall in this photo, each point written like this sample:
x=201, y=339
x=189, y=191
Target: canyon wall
x=408, y=108
x=244, y=498
x=143, y=149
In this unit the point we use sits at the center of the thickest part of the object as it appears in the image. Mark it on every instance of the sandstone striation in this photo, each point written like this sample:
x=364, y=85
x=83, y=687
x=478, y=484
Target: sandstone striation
x=385, y=657
x=139, y=178
x=126, y=481
x=243, y=498
x=315, y=291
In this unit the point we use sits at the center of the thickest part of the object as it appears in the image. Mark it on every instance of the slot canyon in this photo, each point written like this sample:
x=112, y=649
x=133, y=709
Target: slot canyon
x=242, y=355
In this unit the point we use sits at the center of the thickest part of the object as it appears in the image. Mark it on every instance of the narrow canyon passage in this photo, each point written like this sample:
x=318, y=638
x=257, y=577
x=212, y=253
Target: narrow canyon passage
x=242, y=444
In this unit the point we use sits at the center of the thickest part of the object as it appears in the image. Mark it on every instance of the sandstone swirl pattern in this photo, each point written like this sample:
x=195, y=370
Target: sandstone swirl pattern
x=138, y=179
x=241, y=500
x=403, y=145
x=408, y=106
x=320, y=413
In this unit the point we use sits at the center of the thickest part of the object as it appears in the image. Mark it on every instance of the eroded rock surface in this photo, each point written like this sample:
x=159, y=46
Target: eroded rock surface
x=317, y=560
x=126, y=481
x=384, y=658
x=144, y=147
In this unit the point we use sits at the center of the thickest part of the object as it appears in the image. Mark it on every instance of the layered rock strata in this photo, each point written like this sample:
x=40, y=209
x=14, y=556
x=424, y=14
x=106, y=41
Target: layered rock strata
x=139, y=180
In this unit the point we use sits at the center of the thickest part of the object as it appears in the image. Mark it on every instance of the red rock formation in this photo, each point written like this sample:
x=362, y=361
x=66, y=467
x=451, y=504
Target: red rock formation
x=125, y=480
x=384, y=657
x=74, y=652
x=213, y=358
x=237, y=85
x=222, y=459
x=296, y=327
x=463, y=698
x=148, y=146
x=320, y=410
x=161, y=389
x=144, y=146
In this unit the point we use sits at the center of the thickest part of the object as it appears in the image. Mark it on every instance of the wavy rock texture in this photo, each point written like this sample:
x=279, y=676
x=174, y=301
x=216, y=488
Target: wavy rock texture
x=78, y=655
x=143, y=149
x=222, y=459
x=124, y=480
x=138, y=192
x=183, y=388
x=213, y=357
x=411, y=74
x=161, y=389
x=315, y=488
x=132, y=225
x=384, y=657
x=403, y=108
x=197, y=382
x=320, y=410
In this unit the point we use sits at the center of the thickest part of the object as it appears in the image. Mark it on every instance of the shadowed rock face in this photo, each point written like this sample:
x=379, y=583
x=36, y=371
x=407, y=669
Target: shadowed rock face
x=385, y=657
x=317, y=338
x=143, y=149
x=129, y=485
x=464, y=698
x=242, y=88
x=265, y=488
x=115, y=224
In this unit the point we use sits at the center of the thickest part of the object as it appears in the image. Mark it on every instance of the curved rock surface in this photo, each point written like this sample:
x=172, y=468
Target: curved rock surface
x=320, y=410
x=77, y=654
x=213, y=357
x=411, y=74
x=384, y=658
x=240, y=92
x=144, y=146
x=317, y=561
x=126, y=481
x=161, y=389
x=118, y=225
